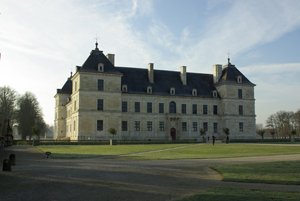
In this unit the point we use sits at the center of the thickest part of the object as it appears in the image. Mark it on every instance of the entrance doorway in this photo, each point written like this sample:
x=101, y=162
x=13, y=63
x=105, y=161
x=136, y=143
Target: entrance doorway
x=173, y=133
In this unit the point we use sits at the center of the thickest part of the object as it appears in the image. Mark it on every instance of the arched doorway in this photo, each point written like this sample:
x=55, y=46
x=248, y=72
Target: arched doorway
x=173, y=133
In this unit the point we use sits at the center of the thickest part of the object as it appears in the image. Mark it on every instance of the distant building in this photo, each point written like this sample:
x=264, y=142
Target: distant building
x=145, y=103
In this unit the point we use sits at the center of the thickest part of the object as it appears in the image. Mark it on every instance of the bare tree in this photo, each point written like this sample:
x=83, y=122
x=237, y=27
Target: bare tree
x=8, y=98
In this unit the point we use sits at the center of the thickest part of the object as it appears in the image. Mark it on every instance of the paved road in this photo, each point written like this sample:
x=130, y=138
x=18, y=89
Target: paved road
x=34, y=177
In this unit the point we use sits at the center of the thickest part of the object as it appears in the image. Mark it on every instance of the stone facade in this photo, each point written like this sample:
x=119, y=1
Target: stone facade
x=153, y=104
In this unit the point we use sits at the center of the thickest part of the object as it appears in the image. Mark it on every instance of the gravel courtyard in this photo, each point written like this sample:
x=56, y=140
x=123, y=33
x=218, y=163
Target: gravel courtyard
x=34, y=177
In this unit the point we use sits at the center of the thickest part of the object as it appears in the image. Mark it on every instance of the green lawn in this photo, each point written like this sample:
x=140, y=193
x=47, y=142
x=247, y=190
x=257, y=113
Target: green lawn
x=228, y=194
x=218, y=151
x=287, y=172
x=88, y=151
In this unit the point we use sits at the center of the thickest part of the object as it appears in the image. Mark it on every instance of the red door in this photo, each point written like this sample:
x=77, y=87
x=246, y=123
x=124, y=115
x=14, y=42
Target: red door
x=173, y=133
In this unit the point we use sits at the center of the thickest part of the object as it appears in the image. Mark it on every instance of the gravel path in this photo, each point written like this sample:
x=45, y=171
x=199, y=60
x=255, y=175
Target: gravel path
x=34, y=177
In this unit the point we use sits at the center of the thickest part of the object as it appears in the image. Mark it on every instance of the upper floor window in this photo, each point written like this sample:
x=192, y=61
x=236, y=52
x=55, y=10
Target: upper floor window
x=215, y=93
x=172, y=91
x=74, y=105
x=100, y=85
x=149, y=90
x=100, y=104
x=204, y=109
x=101, y=67
x=240, y=92
x=124, y=106
x=194, y=109
x=172, y=108
x=183, y=108
x=149, y=107
x=241, y=110
x=137, y=107
x=124, y=88
x=215, y=109
x=239, y=79
x=75, y=86
x=161, y=108
x=194, y=92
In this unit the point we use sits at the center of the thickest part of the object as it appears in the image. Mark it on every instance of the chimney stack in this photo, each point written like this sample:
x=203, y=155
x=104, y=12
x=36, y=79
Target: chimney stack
x=111, y=58
x=183, y=74
x=217, y=72
x=151, y=72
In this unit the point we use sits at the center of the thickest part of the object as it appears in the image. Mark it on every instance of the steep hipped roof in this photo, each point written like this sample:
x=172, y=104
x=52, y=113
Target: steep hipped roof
x=230, y=74
x=67, y=88
x=137, y=82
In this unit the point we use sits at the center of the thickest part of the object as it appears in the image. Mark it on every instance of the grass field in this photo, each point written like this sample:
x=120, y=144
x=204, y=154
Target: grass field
x=228, y=194
x=89, y=151
x=192, y=152
x=287, y=172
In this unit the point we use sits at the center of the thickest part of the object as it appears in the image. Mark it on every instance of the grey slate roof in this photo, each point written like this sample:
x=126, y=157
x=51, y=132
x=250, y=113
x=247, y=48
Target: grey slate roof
x=230, y=74
x=137, y=82
x=67, y=88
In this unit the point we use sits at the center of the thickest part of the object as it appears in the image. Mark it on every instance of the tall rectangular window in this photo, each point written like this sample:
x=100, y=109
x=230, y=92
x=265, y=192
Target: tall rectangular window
x=137, y=107
x=99, y=125
x=161, y=108
x=205, y=126
x=194, y=126
x=74, y=125
x=241, y=127
x=215, y=127
x=149, y=107
x=149, y=125
x=194, y=109
x=240, y=92
x=124, y=106
x=100, y=104
x=183, y=126
x=75, y=86
x=215, y=109
x=136, y=126
x=204, y=109
x=161, y=126
x=74, y=105
x=241, y=110
x=100, y=85
x=183, y=108
x=124, y=125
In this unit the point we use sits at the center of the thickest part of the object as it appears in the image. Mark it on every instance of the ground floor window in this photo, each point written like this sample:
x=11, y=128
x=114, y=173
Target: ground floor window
x=194, y=126
x=205, y=126
x=99, y=125
x=241, y=127
x=149, y=125
x=215, y=127
x=124, y=125
x=136, y=126
x=183, y=126
x=161, y=126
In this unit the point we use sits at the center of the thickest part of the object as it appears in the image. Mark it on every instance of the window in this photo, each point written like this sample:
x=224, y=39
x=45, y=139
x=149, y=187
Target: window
x=100, y=85
x=205, y=126
x=241, y=127
x=149, y=107
x=161, y=108
x=149, y=125
x=239, y=79
x=172, y=108
x=183, y=126
x=172, y=91
x=194, y=126
x=240, y=92
x=149, y=90
x=215, y=94
x=100, y=104
x=74, y=105
x=194, y=92
x=136, y=126
x=124, y=88
x=100, y=67
x=75, y=86
x=194, y=109
x=183, y=108
x=137, y=107
x=241, y=112
x=99, y=125
x=215, y=109
x=204, y=109
x=161, y=126
x=215, y=127
x=124, y=125
x=124, y=106
x=74, y=125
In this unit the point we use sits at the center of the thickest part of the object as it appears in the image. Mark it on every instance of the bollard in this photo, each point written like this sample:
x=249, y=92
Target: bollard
x=6, y=165
x=12, y=159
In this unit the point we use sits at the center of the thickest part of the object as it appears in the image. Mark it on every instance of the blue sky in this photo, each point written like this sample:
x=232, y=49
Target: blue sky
x=42, y=41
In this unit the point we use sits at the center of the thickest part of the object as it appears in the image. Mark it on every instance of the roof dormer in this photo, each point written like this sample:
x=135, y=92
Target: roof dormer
x=100, y=67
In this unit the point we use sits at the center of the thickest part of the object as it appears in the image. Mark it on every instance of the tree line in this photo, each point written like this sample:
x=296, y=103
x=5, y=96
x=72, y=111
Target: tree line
x=21, y=110
x=282, y=124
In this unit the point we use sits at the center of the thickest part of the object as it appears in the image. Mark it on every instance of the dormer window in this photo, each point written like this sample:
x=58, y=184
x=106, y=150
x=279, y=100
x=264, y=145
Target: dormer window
x=239, y=79
x=194, y=92
x=215, y=93
x=172, y=91
x=101, y=67
x=149, y=90
x=124, y=88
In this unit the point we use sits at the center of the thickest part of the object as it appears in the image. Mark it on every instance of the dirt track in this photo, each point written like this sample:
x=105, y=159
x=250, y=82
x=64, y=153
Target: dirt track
x=34, y=177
